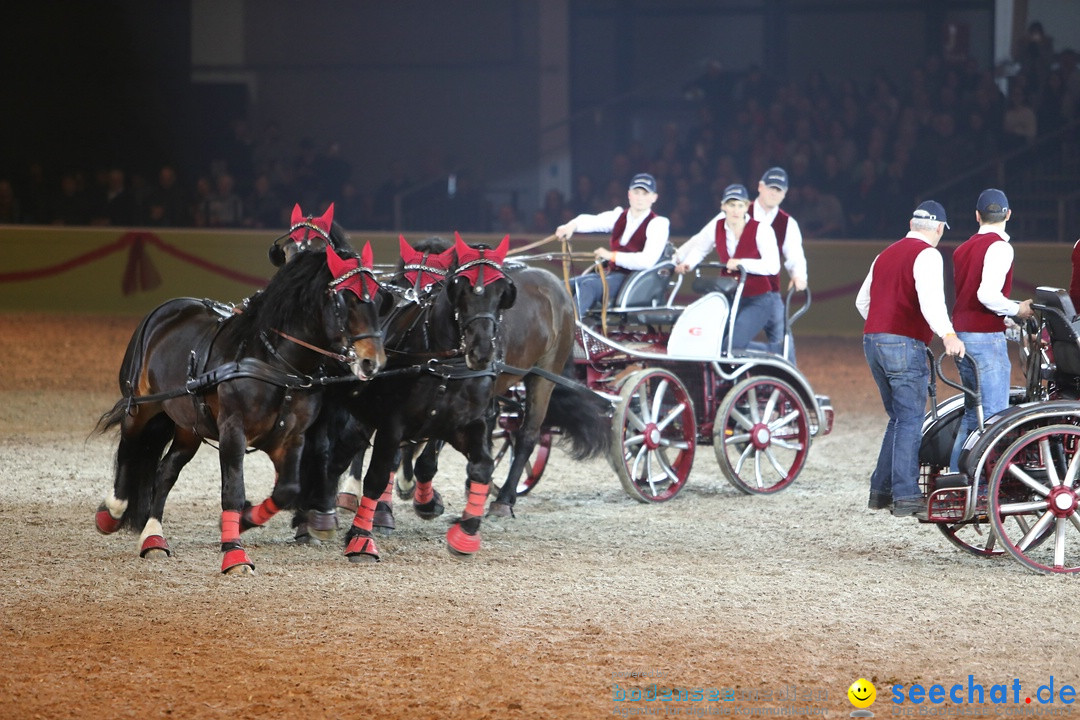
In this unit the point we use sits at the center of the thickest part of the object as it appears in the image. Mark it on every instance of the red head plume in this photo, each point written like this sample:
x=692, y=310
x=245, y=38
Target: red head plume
x=434, y=267
x=488, y=263
x=302, y=228
x=348, y=275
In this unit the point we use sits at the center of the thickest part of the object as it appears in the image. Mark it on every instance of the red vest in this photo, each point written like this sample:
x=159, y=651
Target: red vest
x=779, y=226
x=1074, y=285
x=894, y=304
x=970, y=315
x=635, y=244
x=745, y=248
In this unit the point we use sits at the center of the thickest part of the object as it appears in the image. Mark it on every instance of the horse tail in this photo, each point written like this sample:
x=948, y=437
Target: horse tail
x=112, y=418
x=137, y=460
x=584, y=418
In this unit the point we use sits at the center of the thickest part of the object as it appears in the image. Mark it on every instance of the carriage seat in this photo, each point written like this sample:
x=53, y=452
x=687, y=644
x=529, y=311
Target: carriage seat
x=1064, y=328
x=647, y=296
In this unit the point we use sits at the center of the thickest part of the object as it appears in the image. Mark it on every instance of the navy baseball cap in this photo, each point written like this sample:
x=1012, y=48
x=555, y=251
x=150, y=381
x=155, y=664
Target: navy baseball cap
x=775, y=177
x=735, y=192
x=992, y=200
x=930, y=210
x=644, y=180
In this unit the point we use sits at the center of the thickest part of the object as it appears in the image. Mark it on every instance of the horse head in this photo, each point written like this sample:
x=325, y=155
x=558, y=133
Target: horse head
x=353, y=315
x=305, y=233
x=479, y=291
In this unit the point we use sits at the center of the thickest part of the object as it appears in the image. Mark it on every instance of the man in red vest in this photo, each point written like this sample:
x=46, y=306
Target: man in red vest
x=903, y=303
x=740, y=242
x=638, y=239
x=772, y=189
x=983, y=271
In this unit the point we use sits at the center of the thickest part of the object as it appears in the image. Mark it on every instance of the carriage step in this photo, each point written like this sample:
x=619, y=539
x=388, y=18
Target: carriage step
x=951, y=480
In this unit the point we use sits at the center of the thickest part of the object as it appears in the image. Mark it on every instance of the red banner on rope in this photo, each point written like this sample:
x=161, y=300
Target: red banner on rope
x=139, y=273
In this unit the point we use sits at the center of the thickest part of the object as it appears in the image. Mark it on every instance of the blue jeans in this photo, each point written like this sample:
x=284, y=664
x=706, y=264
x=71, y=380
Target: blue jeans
x=774, y=332
x=991, y=355
x=589, y=289
x=751, y=318
x=900, y=369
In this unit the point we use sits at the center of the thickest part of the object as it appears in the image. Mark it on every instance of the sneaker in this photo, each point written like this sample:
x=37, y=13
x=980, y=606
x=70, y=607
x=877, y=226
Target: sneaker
x=908, y=507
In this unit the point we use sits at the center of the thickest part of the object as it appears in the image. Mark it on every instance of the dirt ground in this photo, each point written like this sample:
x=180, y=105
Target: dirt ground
x=777, y=603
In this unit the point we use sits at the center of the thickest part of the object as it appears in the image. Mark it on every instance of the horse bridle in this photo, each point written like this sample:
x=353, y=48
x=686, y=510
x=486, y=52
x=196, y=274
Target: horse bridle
x=478, y=289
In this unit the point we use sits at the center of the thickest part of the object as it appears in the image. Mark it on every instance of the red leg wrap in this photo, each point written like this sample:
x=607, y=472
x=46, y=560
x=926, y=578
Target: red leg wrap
x=230, y=526
x=235, y=557
x=362, y=545
x=154, y=542
x=424, y=493
x=365, y=514
x=105, y=522
x=264, y=511
x=477, y=498
x=388, y=493
x=462, y=542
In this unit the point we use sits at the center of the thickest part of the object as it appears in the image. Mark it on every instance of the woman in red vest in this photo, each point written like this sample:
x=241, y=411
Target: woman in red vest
x=740, y=242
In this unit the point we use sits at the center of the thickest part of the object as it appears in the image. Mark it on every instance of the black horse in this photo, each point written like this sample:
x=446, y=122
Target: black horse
x=438, y=383
x=251, y=379
x=535, y=335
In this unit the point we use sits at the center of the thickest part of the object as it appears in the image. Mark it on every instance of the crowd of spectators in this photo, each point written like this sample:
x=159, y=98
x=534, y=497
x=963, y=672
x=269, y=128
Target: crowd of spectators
x=856, y=157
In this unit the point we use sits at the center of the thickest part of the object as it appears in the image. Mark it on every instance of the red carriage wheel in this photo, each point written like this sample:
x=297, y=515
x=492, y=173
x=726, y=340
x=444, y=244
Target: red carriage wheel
x=761, y=435
x=503, y=440
x=1034, y=504
x=653, y=435
x=973, y=536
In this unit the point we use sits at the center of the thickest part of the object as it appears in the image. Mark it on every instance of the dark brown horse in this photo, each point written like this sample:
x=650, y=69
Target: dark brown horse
x=251, y=379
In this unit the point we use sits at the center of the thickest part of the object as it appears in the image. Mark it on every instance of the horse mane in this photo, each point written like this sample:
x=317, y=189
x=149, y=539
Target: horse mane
x=292, y=298
x=339, y=239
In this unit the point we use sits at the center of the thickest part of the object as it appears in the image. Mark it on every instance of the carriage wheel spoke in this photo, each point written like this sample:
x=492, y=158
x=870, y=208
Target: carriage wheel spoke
x=1059, y=543
x=787, y=445
x=662, y=459
x=1024, y=508
x=783, y=421
x=1072, y=470
x=757, y=470
x=770, y=404
x=776, y=464
x=1048, y=461
x=1037, y=529
x=1017, y=472
x=743, y=421
x=676, y=412
x=755, y=415
x=657, y=400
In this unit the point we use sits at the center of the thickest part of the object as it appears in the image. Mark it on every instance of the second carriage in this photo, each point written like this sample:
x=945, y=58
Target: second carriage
x=675, y=384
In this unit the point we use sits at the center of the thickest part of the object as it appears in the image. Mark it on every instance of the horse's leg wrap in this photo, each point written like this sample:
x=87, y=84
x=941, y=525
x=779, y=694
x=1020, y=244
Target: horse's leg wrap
x=463, y=537
x=426, y=501
x=362, y=545
x=259, y=515
x=347, y=501
x=235, y=555
x=105, y=522
x=477, y=498
x=384, y=509
x=152, y=543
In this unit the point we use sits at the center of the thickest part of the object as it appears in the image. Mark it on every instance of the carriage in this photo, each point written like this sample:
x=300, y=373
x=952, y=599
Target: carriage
x=1015, y=491
x=674, y=383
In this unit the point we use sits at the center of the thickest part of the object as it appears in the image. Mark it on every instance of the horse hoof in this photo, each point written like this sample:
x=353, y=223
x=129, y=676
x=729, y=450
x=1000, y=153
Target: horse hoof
x=322, y=526
x=240, y=570
x=460, y=543
x=500, y=510
x=405, y=489
x=430, y=510
x=348, y=502
x=363, y=559
x=155, y=547
x=104, y=521
x=306, y=539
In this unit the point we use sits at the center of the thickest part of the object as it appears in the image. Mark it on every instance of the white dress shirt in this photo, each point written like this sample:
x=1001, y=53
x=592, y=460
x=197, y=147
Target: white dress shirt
x=656, y=236
x=694, y=250
x=929, y=271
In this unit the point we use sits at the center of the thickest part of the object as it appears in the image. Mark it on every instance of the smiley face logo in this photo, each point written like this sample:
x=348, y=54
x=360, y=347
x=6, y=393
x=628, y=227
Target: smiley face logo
x=862, y=693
